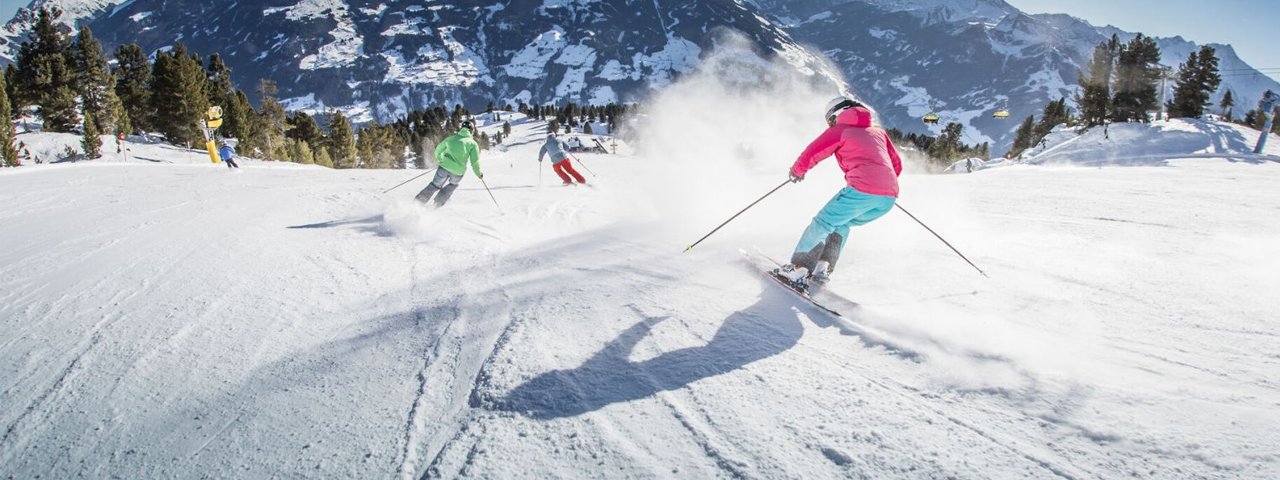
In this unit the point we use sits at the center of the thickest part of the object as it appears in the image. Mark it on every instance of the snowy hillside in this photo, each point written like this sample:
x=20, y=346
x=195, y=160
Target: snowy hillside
x=1152, y=144
x=164, y=317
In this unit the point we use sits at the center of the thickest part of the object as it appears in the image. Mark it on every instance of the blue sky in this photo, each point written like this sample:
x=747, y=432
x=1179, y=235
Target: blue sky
x=1248, y=25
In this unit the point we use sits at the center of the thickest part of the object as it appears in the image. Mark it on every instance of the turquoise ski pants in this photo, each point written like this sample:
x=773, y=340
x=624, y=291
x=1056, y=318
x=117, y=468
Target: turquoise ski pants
x=825, y=236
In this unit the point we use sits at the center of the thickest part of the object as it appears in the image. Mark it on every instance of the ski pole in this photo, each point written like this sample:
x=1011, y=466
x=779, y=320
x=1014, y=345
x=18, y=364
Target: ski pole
x=486, y=188
x=726, y=222
x=575, y=157
x=926, y=227
x=404, y=182
x=539, y=173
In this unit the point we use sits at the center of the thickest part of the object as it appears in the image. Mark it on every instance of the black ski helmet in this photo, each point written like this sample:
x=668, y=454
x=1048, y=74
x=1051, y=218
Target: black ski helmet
x=469, y=125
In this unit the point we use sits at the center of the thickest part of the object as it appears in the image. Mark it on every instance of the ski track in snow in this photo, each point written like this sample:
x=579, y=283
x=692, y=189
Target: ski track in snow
x=293, y=321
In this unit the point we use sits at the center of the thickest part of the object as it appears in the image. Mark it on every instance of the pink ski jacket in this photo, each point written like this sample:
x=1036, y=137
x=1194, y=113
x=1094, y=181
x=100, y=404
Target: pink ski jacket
x=870, y=163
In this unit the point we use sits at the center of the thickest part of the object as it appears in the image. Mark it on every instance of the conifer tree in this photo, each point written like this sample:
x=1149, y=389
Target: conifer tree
x=45, y=77
x=342, y=141
x=218, y=76
x=304, y=127
x=1137, y=76
x=322, y=158
x=8, y=151
x=947, y=147
x=178, y=96
x=270, y=122
x=222, y=92
x=1198, y=78
x=300, y=152
x=1055, y=113
x=11, y=90
x=365, y=148
x=1095, y=100
x=236, y=112
x=93, y=80
x=1251, y=118
x=1022, y=136
x=133, y=80
x=1228, y=101
x=92, y=140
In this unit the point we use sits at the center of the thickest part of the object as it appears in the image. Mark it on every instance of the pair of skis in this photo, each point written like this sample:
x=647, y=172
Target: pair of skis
x=815, y=294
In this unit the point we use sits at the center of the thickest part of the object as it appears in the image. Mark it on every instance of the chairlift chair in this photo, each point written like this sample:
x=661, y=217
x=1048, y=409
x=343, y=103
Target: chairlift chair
x=1003, y=111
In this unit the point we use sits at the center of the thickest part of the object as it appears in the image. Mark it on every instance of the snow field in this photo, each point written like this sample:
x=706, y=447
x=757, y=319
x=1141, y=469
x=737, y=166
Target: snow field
x=173, y=320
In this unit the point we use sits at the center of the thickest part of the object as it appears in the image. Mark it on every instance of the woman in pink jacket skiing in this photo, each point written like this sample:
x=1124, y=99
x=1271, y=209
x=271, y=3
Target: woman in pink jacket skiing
x=871, y=168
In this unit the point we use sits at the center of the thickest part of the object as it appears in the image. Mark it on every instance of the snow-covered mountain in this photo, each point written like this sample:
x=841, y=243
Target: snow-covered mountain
x=963, y=59
x=381, y=59
x=73, y=11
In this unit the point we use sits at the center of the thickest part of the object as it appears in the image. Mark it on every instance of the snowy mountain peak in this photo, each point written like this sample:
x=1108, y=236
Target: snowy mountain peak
x=949, y=10
x=73, y=11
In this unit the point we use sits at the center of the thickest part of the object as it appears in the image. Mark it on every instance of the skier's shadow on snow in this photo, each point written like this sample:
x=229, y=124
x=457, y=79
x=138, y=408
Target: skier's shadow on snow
x=765, y=329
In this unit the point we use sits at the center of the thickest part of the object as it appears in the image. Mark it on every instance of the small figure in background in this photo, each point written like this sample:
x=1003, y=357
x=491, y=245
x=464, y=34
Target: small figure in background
x=228, y=154
x=560, y=160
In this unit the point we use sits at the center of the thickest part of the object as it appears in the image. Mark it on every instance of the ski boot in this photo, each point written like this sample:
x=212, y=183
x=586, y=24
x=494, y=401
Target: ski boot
x=821, y=273
x=794, y=276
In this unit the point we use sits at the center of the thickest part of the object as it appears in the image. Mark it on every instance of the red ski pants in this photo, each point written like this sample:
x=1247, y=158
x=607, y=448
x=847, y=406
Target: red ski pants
x=564, y=170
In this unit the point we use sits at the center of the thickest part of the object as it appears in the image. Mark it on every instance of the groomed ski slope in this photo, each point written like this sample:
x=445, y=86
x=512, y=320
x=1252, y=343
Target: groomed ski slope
x=175, y=320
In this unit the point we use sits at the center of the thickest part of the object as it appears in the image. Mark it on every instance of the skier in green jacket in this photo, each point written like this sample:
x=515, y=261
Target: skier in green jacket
x=452, y=155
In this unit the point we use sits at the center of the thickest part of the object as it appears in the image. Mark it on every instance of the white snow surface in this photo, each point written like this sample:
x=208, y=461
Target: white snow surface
x=162, y=316
x=1155, y=143
x=530, y=62
x=454, y=65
